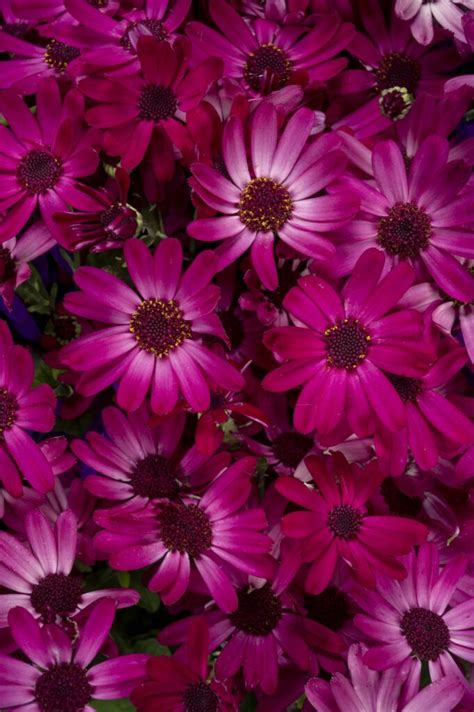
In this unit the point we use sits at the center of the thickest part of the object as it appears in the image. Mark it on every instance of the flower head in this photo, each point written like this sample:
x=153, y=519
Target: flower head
x=58, y=676
x=42, y=156
x=153, y=338
x=343, y=345
x=412, y=620
x=212, y=534
x=276, y=193
x=336, y=524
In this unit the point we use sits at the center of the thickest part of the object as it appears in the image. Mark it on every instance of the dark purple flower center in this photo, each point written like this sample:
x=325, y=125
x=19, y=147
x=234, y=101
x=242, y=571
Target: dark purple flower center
x=185, y=528
x=329, y=608
x=148, y=26
x=405, y=231
x=8, y=409
x=398, y=502
x=347, y=344
x=159, y=327
x=66, y=328
x=265, y=205
x=63, y=688
x=157, y=103
x=16, y=29
x=38, y=171
x=7, y=265
x=395, y=103
x=290, y=448
x=153, y=477
x=56, y=595
x=344, y=521
x=398, y=70
x=58, y=55
x=407, y=388
x=119, y=221
x=200, y=698
x=259, y=611
x=268, y=65
x=426, y=632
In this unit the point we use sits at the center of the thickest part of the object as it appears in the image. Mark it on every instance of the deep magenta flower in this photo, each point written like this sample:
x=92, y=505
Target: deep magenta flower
x=180, y=683
x=267, y=629
x=423, y=217
x=412, y=619
x=39, y=574
x=266, y=56
x=276, y=193
x=105, y=224
x=134, y=461
x=15, y=255
x=58, y=676
x=31, y=63
x=22, y=409
x=110, y=43
x=336, y=524
x=151, y=105
x=153, y=338
x=213, y=535
x=394, y=73
x=42, y=156
x=435, y=424
x=342, y=346
x=373, y=692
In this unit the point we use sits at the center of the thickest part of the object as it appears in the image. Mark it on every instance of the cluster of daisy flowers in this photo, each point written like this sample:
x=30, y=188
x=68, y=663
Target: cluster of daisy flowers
x=236, y=356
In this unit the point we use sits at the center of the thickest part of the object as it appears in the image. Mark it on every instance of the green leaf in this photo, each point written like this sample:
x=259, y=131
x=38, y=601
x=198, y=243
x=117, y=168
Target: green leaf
x=150, y=646
x=249, y=703
x=124, y=578
x=122, y=705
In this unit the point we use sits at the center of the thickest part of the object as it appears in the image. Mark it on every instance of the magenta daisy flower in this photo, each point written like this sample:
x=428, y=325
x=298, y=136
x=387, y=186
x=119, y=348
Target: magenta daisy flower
x=31, y=63
x=57, y=676
x=152, y=341
x=394, y=71
x=110, y=43
x=42, y=156
x=266, y=56
x=105, y=224
x=213, y=535
x=373, y=692
x=277, y=193
x=412, y=619
x=180, y=683
x=423, y=217
x=15, y=255
x=151, y=105
x=135, y=461
x=435, y=424
x=39, y=574
x=336, y=525
x=22, y=409
x=266, y=631
x=343, y=344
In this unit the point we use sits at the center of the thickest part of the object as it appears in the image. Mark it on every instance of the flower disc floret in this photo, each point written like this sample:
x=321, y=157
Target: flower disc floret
x=64, y=687
x=200, y=698
x=56, y=595
x=265, y=205
x=157, y=103
x=426, y=632
x=185, y=528
x=159, y=327
x=38, y=171
x=405, y=231
x=347, y=344
x=259, y=611
x=271, y=59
